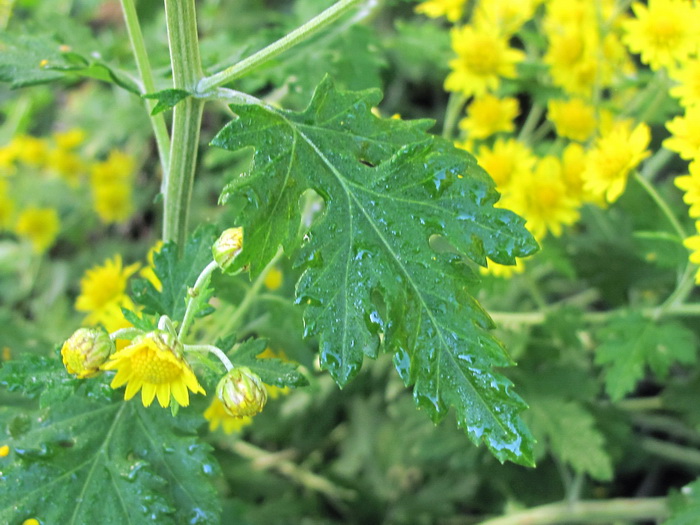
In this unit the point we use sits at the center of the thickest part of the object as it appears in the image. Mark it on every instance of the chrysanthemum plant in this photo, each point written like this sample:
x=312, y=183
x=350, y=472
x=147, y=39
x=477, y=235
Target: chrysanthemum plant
x=387, y=224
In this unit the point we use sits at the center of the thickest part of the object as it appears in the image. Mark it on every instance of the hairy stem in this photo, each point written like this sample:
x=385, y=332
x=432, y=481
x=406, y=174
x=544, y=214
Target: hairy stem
x=160, y=131
x=192, y=293
x=300, y=34
x=187, y=118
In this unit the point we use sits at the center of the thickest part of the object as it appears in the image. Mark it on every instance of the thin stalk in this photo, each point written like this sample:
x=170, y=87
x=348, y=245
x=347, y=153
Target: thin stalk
x=125, y=333
x=623, y=509
x=199, y=285
x=212, y=350
x=181, y=22
x=160, y=131
x=686, y=456
x=300, y=34
x=533, y=118
x=454, y=108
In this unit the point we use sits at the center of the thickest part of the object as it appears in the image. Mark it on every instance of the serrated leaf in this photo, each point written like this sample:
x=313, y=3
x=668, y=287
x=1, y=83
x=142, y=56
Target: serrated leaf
x=388, y=187
x=167, y=98
x=272, y=371
x=685, y=506
x=633, y=342
x=93, y=459
x=177, y=274
x=569, y=431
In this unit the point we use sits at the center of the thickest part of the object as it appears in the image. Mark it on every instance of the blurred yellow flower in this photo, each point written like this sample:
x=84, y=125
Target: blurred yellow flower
x=148, y=272
x=452, y=9
x=69, y=139
x=40, y=226
x=218, y=416
x=690, y=184
x=113, y=203
x=30, y=150
x=488, y=114
x=273, y=279
x=685, y=134
x=688, y=77
x=573, y=119
x=664, y=33
x=505, y=271
x=104, y=286
x=506, y=162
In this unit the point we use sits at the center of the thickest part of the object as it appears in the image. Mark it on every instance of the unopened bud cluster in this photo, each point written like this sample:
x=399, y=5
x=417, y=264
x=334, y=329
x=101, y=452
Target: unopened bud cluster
x=242, y=392
x=227, y=247
x=86, y=350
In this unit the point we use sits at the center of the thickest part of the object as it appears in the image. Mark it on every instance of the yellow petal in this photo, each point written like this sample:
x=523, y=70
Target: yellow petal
x=148, y=393
x=179, y=391
x=163, y=392
x=131, y=389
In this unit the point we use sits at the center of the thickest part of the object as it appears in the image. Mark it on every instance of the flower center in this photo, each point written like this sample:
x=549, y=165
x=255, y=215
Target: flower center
x=483, y=58
x=150, y=368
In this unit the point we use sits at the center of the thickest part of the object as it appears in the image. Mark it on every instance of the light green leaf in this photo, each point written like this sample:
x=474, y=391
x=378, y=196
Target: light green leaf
x=569, y=431
x=272, y=371
x=388, y=187
x=685, y=506
x=632, y=342
x=167, y=99
x=96, y=459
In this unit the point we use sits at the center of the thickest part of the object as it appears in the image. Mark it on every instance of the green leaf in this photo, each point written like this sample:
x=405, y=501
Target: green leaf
x=177, y=274
x=685, y=506
x=97, y=459
x=632, y=342
x=388, y=187
x=570, y=432
x=272, y=371
x=167, y=99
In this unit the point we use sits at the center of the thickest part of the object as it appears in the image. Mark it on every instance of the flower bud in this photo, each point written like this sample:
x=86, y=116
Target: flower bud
x=227, y=247
x=85, y=351
x=242, y=392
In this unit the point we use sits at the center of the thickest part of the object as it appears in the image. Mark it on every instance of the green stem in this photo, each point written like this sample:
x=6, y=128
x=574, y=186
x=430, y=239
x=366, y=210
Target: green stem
x=125, y=333
x=181, y=21
x=212, y=350
x=192, y=293
x=533, y=118
x=452, y=112
x=687, y=456
x=627, y=509
x=160, y=131
x=300, y=34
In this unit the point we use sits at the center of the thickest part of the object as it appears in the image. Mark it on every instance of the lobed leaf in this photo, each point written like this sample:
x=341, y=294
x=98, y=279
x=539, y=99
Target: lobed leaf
x=370, y=273
x=272, y=371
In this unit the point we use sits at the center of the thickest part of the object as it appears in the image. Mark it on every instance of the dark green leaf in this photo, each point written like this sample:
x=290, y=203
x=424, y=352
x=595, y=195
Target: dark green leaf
x=88, y=459
x=177, y=274
x=167, y=99
x=632, y=342
x=272, y=371
x=388, y=187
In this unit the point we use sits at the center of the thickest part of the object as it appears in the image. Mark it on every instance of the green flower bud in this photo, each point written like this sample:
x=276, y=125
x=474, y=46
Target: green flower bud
x=242, y=392
x=227, y=247
x=85, y=351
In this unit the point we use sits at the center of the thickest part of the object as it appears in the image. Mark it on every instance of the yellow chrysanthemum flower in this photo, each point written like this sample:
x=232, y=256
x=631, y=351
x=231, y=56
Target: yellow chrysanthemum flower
x=685, y=134
x=542, y=200
x=7, y=205
x=30, y=150
x=113, y=203
x=152, y=365
x=572, y=119
x=452, y=9
x=507, y=16
x=273, y=279
x=218, y=416
x=506, y=161
x=483, y=58
x=66, y=164
x=690, y=184
x=488, y=114
x=688, y=77
x=105, y=286
x=40, y=226
x=148, y=272
x=118, y=167
x=613, y=158
x=69, y=139
x=504, y=271
x=664, y=32
x=693, y=244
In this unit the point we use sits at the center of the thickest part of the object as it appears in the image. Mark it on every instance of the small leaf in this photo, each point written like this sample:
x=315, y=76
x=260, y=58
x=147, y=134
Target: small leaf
x=167, y=99
x=272, y=371
x=685, y=506
x=632, y=342
x=369, y=268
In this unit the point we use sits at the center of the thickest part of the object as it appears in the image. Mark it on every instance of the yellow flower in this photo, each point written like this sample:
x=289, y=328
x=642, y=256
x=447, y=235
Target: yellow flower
x=664, y=33
x=505, y=15
x=693, y=244
x=502, y=270
x=30, y=150
x=688, y=77
x=4, y=451
x=69, y=139
x=615, y=155
x=117, y=168
x=452, y=9
x=67, y=164
x=483, y=58
x=113, y=203
x=105, y=286
x=685, y=134
x=274, y=391
x=217, y=416
x=573, y=164
x=541, y=198
x=152, y=364
x=507, y=161
x=273, y=279
x=7, y=205
x=573, y=119
x=690, y=184
x=489, y=114
x=148, y=272
x=40, y=226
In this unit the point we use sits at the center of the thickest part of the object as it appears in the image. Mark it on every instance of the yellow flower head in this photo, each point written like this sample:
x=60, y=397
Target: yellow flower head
x=483, y=57
x=40, y=226
x=690, y=184
x=30, y=150
x=66, y=164
x=148, y=272
x=664, y=33
x=118, y=168
x=505, y=15
x=688, y=77
x=573, y=119
x=615, y=155
x=541, y=198
x=452, y=9
x=488, y=114
x=507, y=161
x=7, y=205
x=153, y=364
x=218, y=416
x=693, y=244
x=685, y=134
x=69, y=139
x=105, y=286
x=506, y=271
